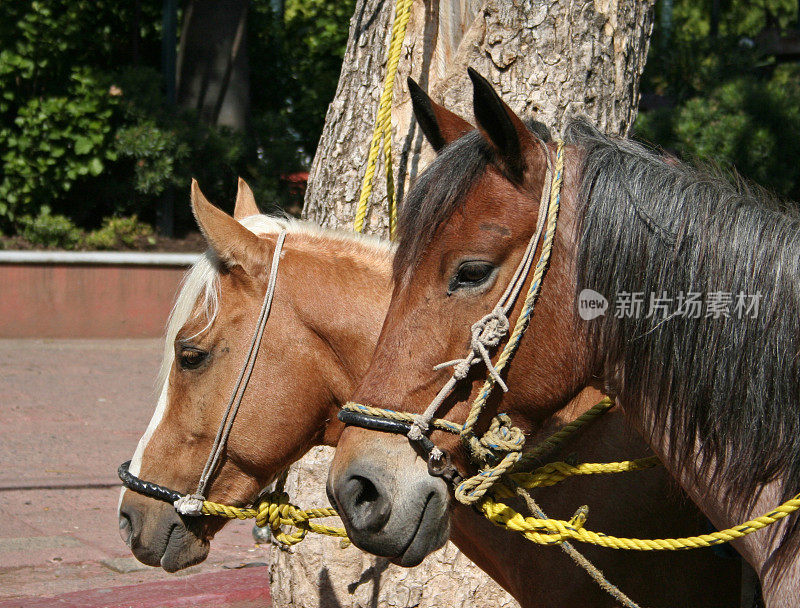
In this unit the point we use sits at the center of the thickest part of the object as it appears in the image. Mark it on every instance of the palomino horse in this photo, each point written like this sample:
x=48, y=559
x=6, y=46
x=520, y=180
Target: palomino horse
x=332, y=292
x=714, y=393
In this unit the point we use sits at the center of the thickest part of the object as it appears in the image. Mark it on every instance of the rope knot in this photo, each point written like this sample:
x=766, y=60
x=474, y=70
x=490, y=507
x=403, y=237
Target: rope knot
x=461, y=369
x=485, y=334
x=489, y=330
x=418, y=429
x=502, y=437
x=191, y=504
x=500, y=448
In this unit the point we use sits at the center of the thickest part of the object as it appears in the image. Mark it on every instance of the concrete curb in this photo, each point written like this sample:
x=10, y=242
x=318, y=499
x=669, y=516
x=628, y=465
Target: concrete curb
x=102, y=258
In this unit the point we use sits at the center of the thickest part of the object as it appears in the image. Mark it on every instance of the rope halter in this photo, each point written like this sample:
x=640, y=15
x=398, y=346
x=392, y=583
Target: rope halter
x=192, y=504
x=501, y=447
x=486, y=333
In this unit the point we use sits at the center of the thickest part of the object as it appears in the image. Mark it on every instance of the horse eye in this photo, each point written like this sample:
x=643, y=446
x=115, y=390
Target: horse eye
x=191, y=358
x=472, y=274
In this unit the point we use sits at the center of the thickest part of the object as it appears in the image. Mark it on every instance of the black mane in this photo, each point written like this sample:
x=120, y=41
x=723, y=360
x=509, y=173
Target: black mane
x=729, y=385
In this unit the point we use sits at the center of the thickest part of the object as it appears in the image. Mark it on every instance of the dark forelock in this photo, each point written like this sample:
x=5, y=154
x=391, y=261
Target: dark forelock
x=440, y=190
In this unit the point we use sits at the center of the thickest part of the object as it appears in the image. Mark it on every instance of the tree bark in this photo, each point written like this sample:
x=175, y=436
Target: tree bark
x=213, y=71
x=552, y=59
x=319, y=573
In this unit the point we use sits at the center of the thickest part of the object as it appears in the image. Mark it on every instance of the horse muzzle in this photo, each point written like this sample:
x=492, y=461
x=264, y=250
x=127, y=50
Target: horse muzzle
x=158, y=536
x=389, y=503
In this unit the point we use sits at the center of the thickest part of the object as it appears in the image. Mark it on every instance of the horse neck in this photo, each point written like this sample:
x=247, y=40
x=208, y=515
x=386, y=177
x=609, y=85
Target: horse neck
x=711, y=393
x=763, y=550
x=342, y=298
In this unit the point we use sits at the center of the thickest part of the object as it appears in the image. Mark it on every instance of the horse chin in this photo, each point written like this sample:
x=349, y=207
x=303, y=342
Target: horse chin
x=175, y=549
x=158, y=536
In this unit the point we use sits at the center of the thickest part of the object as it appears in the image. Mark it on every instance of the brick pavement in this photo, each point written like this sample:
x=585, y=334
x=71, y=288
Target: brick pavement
x=72, y=410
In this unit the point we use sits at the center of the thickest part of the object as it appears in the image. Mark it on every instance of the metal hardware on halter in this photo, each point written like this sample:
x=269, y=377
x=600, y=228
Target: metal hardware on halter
x=439, y=462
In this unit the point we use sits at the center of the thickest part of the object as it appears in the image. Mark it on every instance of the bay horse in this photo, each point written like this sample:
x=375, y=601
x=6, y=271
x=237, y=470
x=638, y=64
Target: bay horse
x=716, y=396
x=332, y=293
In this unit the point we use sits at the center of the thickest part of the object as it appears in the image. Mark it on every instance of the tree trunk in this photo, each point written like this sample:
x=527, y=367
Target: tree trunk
x=552, y=59
x=319, y=573
x=213, y=72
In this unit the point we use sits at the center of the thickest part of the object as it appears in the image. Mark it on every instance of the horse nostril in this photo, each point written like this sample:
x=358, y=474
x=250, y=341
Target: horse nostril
x=367, y=492
x=368, y=508
x=125, y=527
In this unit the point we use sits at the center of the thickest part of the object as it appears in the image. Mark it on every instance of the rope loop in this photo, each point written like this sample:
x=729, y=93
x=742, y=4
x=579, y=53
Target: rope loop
x=382, y=132
x=486, y=333
x=500, y=439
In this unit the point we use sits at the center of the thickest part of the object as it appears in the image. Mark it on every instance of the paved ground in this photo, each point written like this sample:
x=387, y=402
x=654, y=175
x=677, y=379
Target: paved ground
x=71, y=411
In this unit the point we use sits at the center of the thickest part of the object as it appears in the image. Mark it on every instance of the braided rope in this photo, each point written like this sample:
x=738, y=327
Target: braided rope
x=556, y=472
x=557, y=438
x=275, y=510
x=191, y=504
x=378, y=412
x=471, y=490
x=530, y=300
x=383, y=124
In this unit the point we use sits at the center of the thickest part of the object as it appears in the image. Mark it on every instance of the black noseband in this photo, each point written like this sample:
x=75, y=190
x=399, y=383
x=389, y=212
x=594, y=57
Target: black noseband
x=146, y=488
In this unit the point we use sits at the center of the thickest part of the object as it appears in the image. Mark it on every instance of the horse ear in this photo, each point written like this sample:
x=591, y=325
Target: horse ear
x=501, y=127
x=439, y=125
x=231, y=242
x=245, y=202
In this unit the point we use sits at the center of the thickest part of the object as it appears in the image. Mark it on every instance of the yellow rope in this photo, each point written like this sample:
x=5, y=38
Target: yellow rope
x=275, y=510
x=554, y=531
x=383, y=124
x=556, y=472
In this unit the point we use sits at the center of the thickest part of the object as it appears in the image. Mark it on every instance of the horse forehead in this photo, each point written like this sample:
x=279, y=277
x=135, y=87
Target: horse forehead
x=493, y=205
x=493, y=216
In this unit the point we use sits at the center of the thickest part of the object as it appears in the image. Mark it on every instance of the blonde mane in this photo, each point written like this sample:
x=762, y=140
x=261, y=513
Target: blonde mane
x=200, y=285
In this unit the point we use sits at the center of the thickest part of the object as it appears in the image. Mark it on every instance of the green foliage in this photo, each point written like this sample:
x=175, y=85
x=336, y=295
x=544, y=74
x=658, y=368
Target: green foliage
x=119, y=232
x=57, y=113
x=727, y=102
x=53, y=142
x=50, y=230
x=305, y=48
x=155, y=152
x=85, y=133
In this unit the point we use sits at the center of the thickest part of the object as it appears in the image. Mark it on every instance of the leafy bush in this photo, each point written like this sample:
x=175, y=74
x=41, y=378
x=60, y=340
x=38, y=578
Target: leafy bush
x=50, y=230
x=119, y=232
x=85, y=130
x=52, y=143
x=748, y=123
